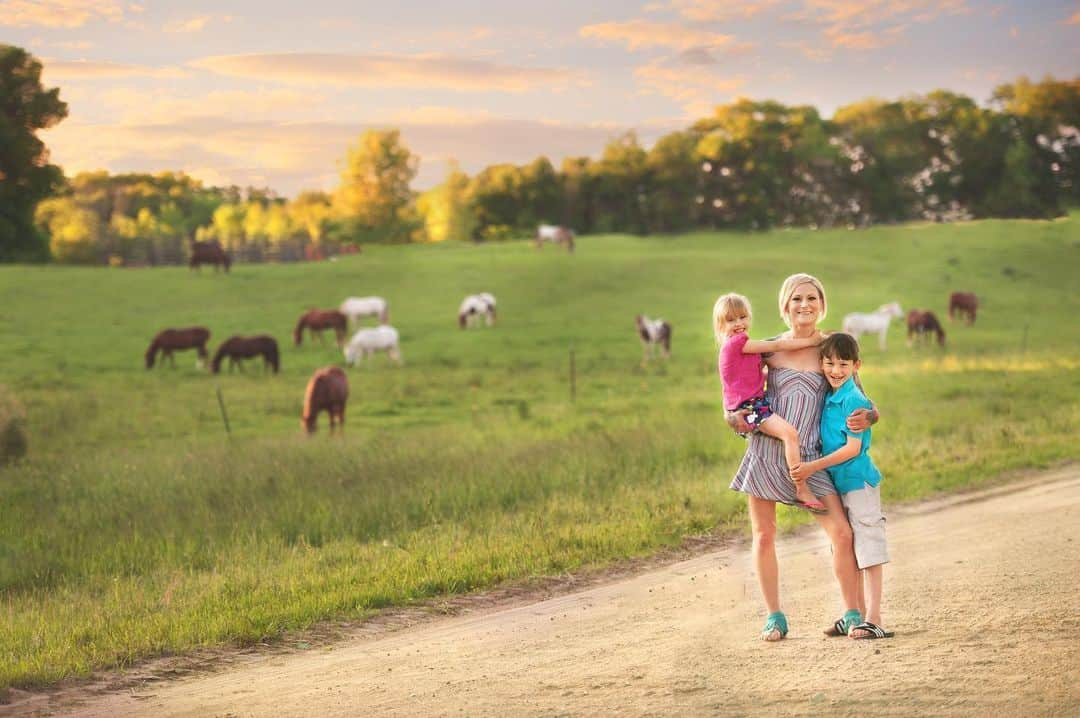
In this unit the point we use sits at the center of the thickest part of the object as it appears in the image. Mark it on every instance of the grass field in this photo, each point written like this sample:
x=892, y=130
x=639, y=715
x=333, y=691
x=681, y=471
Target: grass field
x=136, y=527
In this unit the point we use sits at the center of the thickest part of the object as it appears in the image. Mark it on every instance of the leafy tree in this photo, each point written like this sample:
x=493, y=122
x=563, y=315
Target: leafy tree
x=675, y=168
x=622, y=185
x=374, y=194
x=445, y=209
x=1050, y=110
x=75, y=232
x=26, y=177
x=311, y=213
x=495, y=197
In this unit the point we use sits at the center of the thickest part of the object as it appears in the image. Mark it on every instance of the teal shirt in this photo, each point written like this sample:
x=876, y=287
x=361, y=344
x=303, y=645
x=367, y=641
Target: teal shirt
x=858, y=471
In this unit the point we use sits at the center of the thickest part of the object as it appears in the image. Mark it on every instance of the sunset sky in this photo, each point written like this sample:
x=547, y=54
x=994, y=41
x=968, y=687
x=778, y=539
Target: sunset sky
x=272, y=93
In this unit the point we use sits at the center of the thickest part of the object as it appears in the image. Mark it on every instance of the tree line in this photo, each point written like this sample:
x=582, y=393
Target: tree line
x=752, y=164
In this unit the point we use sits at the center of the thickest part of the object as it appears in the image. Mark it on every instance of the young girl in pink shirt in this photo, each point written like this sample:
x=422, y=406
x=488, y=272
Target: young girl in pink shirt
x=744, y=383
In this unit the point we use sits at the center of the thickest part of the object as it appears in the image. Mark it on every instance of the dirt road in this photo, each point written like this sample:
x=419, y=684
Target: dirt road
x=983, y=594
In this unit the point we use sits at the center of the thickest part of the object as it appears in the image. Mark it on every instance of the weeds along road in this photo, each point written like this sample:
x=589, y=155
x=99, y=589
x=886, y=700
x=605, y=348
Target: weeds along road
x=981, y=592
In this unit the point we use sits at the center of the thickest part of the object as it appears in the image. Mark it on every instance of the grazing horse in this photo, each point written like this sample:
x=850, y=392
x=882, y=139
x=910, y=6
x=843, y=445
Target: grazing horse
x=209, y=253
x=554, y=234
x=920, y=322
x=170, y=340
x=963, y=304
x=857, y=324
x=354, y=308
x=653, y=332
x=475, y=306
x=327, y=390
x=383, y=338
x=316, y=320
x=238, y=347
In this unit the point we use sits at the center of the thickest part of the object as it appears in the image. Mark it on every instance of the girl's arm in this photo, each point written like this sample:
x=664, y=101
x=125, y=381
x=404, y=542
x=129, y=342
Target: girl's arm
x=764, y=346
x=848, y=451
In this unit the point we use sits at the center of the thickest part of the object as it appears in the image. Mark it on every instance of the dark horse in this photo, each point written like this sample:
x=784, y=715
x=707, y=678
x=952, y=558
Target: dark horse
x=315, y=320
x=327, y=390
x=170, y=340
x=209, y=253
x=238, y=347
x=963, y=304
x=920, y=322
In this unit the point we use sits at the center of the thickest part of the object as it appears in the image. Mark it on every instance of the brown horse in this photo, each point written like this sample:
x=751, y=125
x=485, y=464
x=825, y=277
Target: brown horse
x=327, y=390
x=238, y=347
x=920, y=322
x=316, y=320
x=963, y=304
x=170, y=340
x=209, y=253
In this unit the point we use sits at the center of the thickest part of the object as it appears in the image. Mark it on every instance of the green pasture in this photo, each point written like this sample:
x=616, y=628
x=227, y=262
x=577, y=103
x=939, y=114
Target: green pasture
x=136, y=527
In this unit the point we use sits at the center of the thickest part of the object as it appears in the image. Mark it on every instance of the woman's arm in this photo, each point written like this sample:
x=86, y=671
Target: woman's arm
x=848, y=451
x=862, y=419
x=764, y=346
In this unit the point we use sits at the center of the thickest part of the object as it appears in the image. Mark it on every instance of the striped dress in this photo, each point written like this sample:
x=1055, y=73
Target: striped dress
x=797, y=396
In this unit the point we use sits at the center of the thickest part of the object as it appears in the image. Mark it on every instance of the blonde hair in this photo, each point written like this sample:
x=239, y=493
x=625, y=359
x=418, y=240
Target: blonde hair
x=788, y=288
x=726, y=306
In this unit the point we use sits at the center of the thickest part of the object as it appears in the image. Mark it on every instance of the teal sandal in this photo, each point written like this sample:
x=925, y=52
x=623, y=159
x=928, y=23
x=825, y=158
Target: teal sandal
x=842, y=626
x=775, y=622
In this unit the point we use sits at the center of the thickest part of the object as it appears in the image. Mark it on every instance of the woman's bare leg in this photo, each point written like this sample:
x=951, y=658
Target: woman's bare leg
x=778, y=428
x=763, y=527
x=838, y=530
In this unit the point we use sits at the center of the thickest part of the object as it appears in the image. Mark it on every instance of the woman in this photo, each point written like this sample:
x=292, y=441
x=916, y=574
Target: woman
x=796, y=389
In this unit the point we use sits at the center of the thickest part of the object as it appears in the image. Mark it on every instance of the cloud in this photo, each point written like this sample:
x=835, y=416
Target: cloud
x=291, y=157
x=1074, y=20
x=850, y=15
x=697, y=91
x=718, y=10
x=197, y=23
x=88, y=70
x=131, y=106
x=639, y=34
x=429, y=71
x=58, y=13
x=864, y=40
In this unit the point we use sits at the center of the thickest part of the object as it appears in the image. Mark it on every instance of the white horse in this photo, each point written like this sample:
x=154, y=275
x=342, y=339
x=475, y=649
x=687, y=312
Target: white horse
x=475, y=306
x=383, y=338
x=357, y=307
x=554, y=234
x=876, y=323
x=653, y=333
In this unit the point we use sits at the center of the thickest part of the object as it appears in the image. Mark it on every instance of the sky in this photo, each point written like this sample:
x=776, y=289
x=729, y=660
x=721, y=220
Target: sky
x=273, y=93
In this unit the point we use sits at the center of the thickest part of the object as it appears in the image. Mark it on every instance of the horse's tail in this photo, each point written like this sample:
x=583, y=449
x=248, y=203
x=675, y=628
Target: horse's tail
x=151, y=352
x=308, y=415
x=666, y=337
x=298, y=333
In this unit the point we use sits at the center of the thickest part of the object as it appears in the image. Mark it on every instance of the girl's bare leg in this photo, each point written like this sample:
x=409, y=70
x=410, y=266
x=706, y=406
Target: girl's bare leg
x=763, y=527
x=778, y=428
x=838, y=530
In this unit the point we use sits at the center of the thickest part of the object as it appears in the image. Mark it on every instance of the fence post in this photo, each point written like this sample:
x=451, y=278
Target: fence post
x=224, y=415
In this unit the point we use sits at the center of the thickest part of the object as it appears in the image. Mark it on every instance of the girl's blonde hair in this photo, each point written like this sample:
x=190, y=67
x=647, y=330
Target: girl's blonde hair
x=788, y=288
x=727, y=306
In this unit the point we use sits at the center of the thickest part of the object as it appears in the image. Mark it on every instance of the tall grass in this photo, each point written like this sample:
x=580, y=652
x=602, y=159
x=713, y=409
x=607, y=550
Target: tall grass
x=135, y=527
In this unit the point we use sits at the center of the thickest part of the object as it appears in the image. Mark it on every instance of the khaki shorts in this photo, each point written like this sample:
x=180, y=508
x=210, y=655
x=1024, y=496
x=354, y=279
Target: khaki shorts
x=867, y=525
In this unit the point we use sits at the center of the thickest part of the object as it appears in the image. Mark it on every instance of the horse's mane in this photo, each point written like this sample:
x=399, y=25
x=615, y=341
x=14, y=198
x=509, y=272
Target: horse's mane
x=309, y=393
